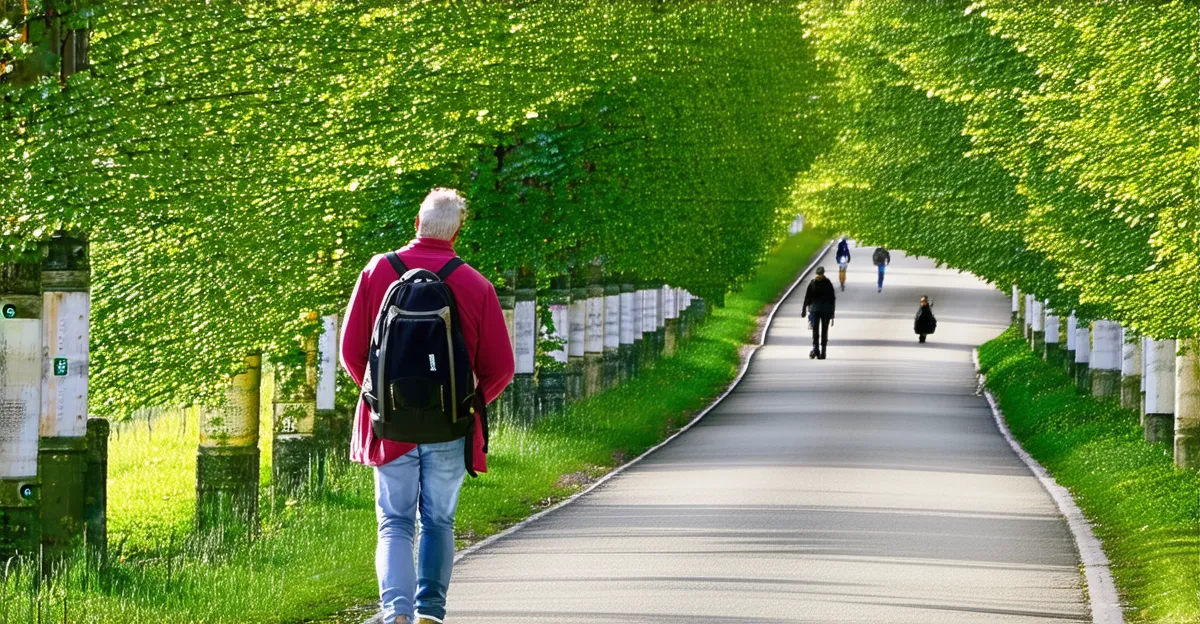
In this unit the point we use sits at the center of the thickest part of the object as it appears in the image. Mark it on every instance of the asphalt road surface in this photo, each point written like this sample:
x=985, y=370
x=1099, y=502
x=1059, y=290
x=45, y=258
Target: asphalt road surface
x=869, y=487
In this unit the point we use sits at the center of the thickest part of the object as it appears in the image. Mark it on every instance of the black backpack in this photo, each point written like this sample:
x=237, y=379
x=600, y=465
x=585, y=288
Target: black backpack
x=418, y=385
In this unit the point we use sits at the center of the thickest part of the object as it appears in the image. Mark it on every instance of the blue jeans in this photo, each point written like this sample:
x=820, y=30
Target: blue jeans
x=882, y=267
x=428, y=478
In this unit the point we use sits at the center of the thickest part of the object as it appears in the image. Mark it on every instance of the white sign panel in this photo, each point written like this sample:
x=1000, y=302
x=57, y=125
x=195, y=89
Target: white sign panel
x=64, y=364
x=525, y=330
x=20, y=396
x=327, y=362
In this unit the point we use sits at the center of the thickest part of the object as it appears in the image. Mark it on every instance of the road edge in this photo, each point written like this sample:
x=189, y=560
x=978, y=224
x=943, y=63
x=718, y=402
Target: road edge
x=1103, y=599
x=745, y=366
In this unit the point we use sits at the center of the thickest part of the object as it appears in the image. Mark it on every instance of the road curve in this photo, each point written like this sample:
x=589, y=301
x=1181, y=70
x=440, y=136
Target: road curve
x=869, y=487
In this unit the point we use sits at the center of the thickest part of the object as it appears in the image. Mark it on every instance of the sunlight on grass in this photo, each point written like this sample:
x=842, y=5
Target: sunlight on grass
x=1144, y=510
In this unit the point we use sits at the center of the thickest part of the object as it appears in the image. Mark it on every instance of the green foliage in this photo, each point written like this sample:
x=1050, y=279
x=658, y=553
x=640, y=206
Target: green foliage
x=1144, y=510
x=236, y=163
x=1052, y=145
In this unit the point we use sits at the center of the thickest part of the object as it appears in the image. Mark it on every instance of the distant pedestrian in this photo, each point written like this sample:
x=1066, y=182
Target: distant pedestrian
x=925, y=323
x=843, y=260
x=427, y=475
x=819, y=304
x=882, y=258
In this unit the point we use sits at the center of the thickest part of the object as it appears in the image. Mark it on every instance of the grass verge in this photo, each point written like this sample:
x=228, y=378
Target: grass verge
x=1144, y=510
x=314, y=558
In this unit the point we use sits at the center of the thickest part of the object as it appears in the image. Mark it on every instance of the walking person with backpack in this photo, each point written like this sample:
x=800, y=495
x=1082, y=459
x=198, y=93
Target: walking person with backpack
x=924, y=323
x=882, y=258
x=819, y=304
x=427, y=342
x=843, y=260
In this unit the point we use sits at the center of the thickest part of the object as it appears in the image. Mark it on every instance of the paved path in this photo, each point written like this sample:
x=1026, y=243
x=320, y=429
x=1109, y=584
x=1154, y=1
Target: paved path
x=869, y=487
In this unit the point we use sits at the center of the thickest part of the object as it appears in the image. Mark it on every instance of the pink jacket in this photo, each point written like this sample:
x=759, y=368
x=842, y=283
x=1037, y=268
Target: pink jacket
x=484, y=332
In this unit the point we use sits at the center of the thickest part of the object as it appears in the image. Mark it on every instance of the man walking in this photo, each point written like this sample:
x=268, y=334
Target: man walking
x=427, y=477
x=882, y=258
x=843, y=260
x=819, y=303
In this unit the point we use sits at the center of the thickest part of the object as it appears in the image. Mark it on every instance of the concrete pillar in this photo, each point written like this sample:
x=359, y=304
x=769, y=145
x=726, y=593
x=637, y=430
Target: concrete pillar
x=1142, y=399
x=670, y=320
x=594, y=334
x=499, y=409
x=1037, y=327
x=332, y=434
x=293, y=416
x=1083, y=357
x=684, y=315
x=525, y=332
x=1131, y=370
x=552, y=380
x=1053, y=351
x=1016, y=304
x=95, y=489
x=20, y=406
x=1187, y=405
x=649, y=322
x=577, y=332
x=1105, y=365
x=660, y=320
x=227, y=459
x=1159, y=421
x=1028, y=315
x=631, y=328
x=1072, y=334
x=612, y=333
x=62, y=452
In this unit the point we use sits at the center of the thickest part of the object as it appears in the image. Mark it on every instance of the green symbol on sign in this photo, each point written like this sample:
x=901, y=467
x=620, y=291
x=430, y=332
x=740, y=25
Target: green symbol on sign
x=10, y=311
x=60, y=367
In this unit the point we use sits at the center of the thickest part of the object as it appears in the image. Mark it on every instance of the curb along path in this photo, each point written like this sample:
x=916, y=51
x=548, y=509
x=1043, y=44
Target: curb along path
x=869, y=487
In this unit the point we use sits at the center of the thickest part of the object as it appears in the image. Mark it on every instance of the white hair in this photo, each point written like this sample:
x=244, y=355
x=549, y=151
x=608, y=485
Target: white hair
x=442, y=213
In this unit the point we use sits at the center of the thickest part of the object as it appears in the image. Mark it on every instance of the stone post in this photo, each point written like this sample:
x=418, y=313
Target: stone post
x=1083, y=358
x=1131, y=371
x=577, y=332
x=1053, y=348
x=332, y=434
x=593, y=350
x=1037, y=336
x=62, y=447
x=294, y=411
x=1159, y=421
x=649, y=319
x=660, y=320
x=227, y=459
x=525, y=332
x=500, y=408
x=1028, y=323
x=636, y=321
x=631, y=310
x=552, y=380
x=1105, y=369
x=670, y=320
x=612, y=333
x=20, y=406
x=95, y=488
x=1187, y=405
x=1069, y=356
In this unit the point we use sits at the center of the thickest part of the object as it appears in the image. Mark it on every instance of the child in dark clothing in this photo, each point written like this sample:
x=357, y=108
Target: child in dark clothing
x=925, y=322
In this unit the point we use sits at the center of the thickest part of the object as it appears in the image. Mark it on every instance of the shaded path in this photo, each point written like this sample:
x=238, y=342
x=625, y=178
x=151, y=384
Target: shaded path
x=869, y=487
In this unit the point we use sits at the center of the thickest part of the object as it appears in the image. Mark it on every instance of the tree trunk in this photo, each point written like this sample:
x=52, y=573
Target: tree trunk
x=1131, y=371
x=1105, y=366
x=1187, y=405
x=1160, y=391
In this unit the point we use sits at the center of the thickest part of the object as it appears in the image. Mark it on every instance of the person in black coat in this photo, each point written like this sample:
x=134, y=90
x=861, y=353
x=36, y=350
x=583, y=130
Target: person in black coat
x=819, y=303
x=925, y=323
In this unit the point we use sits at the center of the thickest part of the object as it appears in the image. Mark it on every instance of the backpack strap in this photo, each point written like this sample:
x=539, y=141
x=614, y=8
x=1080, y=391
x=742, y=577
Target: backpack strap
x=397, y=264
x=448, y=268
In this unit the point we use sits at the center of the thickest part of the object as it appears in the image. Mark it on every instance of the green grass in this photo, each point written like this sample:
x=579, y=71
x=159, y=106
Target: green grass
x=316, y=557
x=1144, y=510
